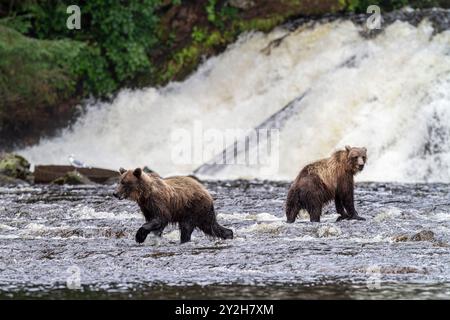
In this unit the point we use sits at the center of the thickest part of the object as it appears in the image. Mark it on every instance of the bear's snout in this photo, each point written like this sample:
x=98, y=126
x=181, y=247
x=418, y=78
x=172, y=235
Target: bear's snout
x=360, y=167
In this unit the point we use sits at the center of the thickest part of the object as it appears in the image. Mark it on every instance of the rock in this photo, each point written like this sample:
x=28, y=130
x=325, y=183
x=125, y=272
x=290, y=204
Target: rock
x=72, y=178
x=5, y=180
x=424, y=235
x=401, y=238
x=328, y=231
x=15, y=167
x=402, y=270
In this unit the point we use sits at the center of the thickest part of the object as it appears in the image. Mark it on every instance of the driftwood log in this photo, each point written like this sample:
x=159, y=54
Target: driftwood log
x=48, y=173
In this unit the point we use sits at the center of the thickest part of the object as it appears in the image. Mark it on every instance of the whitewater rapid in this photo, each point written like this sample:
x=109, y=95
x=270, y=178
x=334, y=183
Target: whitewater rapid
x=390, y=93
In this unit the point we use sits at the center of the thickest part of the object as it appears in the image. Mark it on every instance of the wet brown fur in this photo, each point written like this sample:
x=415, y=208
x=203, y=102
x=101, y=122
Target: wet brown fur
x=325, y=180
x=179, y=199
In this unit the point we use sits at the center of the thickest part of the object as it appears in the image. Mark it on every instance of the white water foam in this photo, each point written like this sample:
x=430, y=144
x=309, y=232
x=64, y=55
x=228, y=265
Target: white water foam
x=387, y=214
x=86, y=213
x=392, y=96
x=260, y=217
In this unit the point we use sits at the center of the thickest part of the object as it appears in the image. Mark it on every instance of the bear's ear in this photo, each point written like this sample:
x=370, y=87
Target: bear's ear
x=137, y=172
x=348, y=148
x=365, y=149
x=122, y=170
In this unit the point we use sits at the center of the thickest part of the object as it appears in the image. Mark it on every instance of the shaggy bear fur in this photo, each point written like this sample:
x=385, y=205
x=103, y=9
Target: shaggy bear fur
x=181, y=200
x=324, y=180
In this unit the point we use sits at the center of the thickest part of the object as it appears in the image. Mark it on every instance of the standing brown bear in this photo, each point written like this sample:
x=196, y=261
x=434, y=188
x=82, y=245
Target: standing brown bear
x=322, y=181
x=181, y=200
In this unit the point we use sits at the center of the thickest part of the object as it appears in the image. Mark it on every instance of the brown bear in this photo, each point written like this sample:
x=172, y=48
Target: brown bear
x=324, y=180
x=181, y=200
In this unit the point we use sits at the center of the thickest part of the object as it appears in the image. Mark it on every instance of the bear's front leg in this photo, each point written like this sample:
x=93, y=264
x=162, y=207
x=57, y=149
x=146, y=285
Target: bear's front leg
x=142, y=233
x=340, y=208
x=349, y=206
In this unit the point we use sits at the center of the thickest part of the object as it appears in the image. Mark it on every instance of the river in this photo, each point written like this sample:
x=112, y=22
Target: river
x=78, y=242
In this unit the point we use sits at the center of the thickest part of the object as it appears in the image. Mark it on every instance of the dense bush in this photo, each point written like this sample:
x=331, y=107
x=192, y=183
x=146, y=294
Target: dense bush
x=119, y=34
x=35, y=68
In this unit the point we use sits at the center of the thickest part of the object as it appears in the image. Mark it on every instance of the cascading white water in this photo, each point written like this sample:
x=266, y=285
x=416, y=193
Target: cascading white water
x=390, y=94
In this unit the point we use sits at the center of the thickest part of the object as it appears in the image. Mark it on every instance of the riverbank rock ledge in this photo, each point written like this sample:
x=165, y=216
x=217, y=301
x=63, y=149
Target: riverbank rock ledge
x=14, y=169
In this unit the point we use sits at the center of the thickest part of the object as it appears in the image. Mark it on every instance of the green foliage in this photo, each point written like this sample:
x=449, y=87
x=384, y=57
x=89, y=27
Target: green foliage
x=35, y=72
x=211, y=11
x=20, y=23
x=260, y=24
x=119, y=35
x=199, y=34
x=220, y=18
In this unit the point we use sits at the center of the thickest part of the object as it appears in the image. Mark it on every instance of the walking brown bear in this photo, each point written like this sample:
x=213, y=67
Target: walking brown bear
x=322, y=181
x=181, y=200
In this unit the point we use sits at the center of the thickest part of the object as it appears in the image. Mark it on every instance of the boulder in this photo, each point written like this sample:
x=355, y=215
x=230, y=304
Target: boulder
x=15, y=167
x=423, y=235
x=5, y=180
x=72, y=178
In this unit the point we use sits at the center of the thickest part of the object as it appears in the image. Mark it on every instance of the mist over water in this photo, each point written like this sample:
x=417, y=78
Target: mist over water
x=390, y=93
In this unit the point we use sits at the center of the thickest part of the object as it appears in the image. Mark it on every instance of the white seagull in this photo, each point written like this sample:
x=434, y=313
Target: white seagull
x=76, y=163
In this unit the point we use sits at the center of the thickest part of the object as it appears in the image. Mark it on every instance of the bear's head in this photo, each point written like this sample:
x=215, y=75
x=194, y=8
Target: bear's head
x=130, y=184
x=357, y=158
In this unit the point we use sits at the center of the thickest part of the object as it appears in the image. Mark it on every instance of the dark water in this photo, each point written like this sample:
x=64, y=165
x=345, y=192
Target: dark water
x=78, y=242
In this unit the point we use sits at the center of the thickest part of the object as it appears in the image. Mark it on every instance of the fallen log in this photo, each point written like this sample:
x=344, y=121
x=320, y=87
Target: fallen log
x=48, y=173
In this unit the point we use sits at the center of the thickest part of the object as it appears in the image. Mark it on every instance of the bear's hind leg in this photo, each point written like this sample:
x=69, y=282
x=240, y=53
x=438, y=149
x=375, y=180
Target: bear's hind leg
x=186, y=229
x=292, y=205
x=291, y=213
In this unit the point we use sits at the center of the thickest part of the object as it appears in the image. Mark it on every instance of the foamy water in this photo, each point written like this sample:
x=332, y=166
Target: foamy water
x=390, y=94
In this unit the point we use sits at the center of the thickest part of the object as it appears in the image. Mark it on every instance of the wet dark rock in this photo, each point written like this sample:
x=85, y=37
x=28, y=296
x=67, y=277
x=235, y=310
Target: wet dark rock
x=5, y=180
x=402, y=270
x=424, y=235
x=439, y=18
x=72, y=178
x=401, y=238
